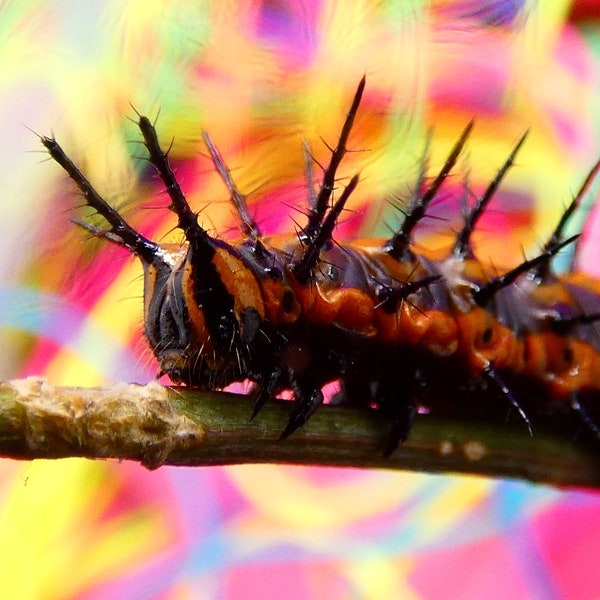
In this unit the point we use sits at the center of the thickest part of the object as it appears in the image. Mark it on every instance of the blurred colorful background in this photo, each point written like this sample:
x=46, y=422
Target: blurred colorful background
x=262, y=77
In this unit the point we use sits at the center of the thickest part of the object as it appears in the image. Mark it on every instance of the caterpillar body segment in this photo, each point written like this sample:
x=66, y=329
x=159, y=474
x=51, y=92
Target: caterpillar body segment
x=399, y=328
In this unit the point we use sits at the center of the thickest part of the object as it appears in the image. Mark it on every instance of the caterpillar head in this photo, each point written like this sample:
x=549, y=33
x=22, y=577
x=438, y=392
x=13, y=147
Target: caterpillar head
x=202, y=311
x=202, y=306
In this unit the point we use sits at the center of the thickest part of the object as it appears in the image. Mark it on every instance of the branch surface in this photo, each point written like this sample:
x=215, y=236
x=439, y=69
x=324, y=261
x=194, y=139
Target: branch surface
x=157, y=425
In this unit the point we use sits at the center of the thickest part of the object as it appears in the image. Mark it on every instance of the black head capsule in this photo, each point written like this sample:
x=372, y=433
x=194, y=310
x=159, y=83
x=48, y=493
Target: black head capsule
x=166, y=319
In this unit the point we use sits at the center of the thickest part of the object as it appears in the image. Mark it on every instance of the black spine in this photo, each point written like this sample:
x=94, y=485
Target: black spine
x=319, y=209
x=188, y=221
x=399, y=244
x=462, y=246
x=249, y=227
x=310, y=255
x=486, y=291
x=120, y=231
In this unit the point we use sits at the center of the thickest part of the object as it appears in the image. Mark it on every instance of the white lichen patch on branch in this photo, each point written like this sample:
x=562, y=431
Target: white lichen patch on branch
x=123, y=420
x=474, y=450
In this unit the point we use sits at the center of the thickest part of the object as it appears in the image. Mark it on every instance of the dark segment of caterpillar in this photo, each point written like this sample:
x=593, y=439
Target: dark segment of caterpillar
x=398, y=328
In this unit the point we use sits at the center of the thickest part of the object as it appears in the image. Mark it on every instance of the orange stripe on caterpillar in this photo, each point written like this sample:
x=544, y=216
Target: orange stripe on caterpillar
x=394, y=325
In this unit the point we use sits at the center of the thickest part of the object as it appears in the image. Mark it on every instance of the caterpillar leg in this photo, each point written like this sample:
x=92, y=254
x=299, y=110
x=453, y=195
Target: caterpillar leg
x=308, y=398
x=402, y=424
x=490, y=375
x=393, y=399
x=266, y=389
x=591, y=425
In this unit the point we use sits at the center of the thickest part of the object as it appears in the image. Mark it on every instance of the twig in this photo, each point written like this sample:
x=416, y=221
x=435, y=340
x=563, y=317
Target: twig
x=174, y=426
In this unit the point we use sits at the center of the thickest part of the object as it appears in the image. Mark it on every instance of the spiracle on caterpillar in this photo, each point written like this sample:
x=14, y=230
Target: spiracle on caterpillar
x=399, y=329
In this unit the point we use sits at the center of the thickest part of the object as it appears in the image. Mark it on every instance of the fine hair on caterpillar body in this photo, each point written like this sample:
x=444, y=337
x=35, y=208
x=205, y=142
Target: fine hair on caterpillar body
x=398, y=328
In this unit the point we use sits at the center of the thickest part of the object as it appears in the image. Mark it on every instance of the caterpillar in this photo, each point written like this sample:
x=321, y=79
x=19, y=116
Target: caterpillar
x=398, y=328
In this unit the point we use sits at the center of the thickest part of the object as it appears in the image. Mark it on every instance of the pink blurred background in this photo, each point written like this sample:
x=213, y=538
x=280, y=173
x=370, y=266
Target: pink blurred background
x=262, y=77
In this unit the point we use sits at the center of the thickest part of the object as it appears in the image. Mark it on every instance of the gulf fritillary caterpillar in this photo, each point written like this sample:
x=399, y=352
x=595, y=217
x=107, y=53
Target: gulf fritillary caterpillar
x=390, y=323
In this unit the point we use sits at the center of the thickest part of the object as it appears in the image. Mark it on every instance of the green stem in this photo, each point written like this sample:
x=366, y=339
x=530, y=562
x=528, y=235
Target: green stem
x=174, y=426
